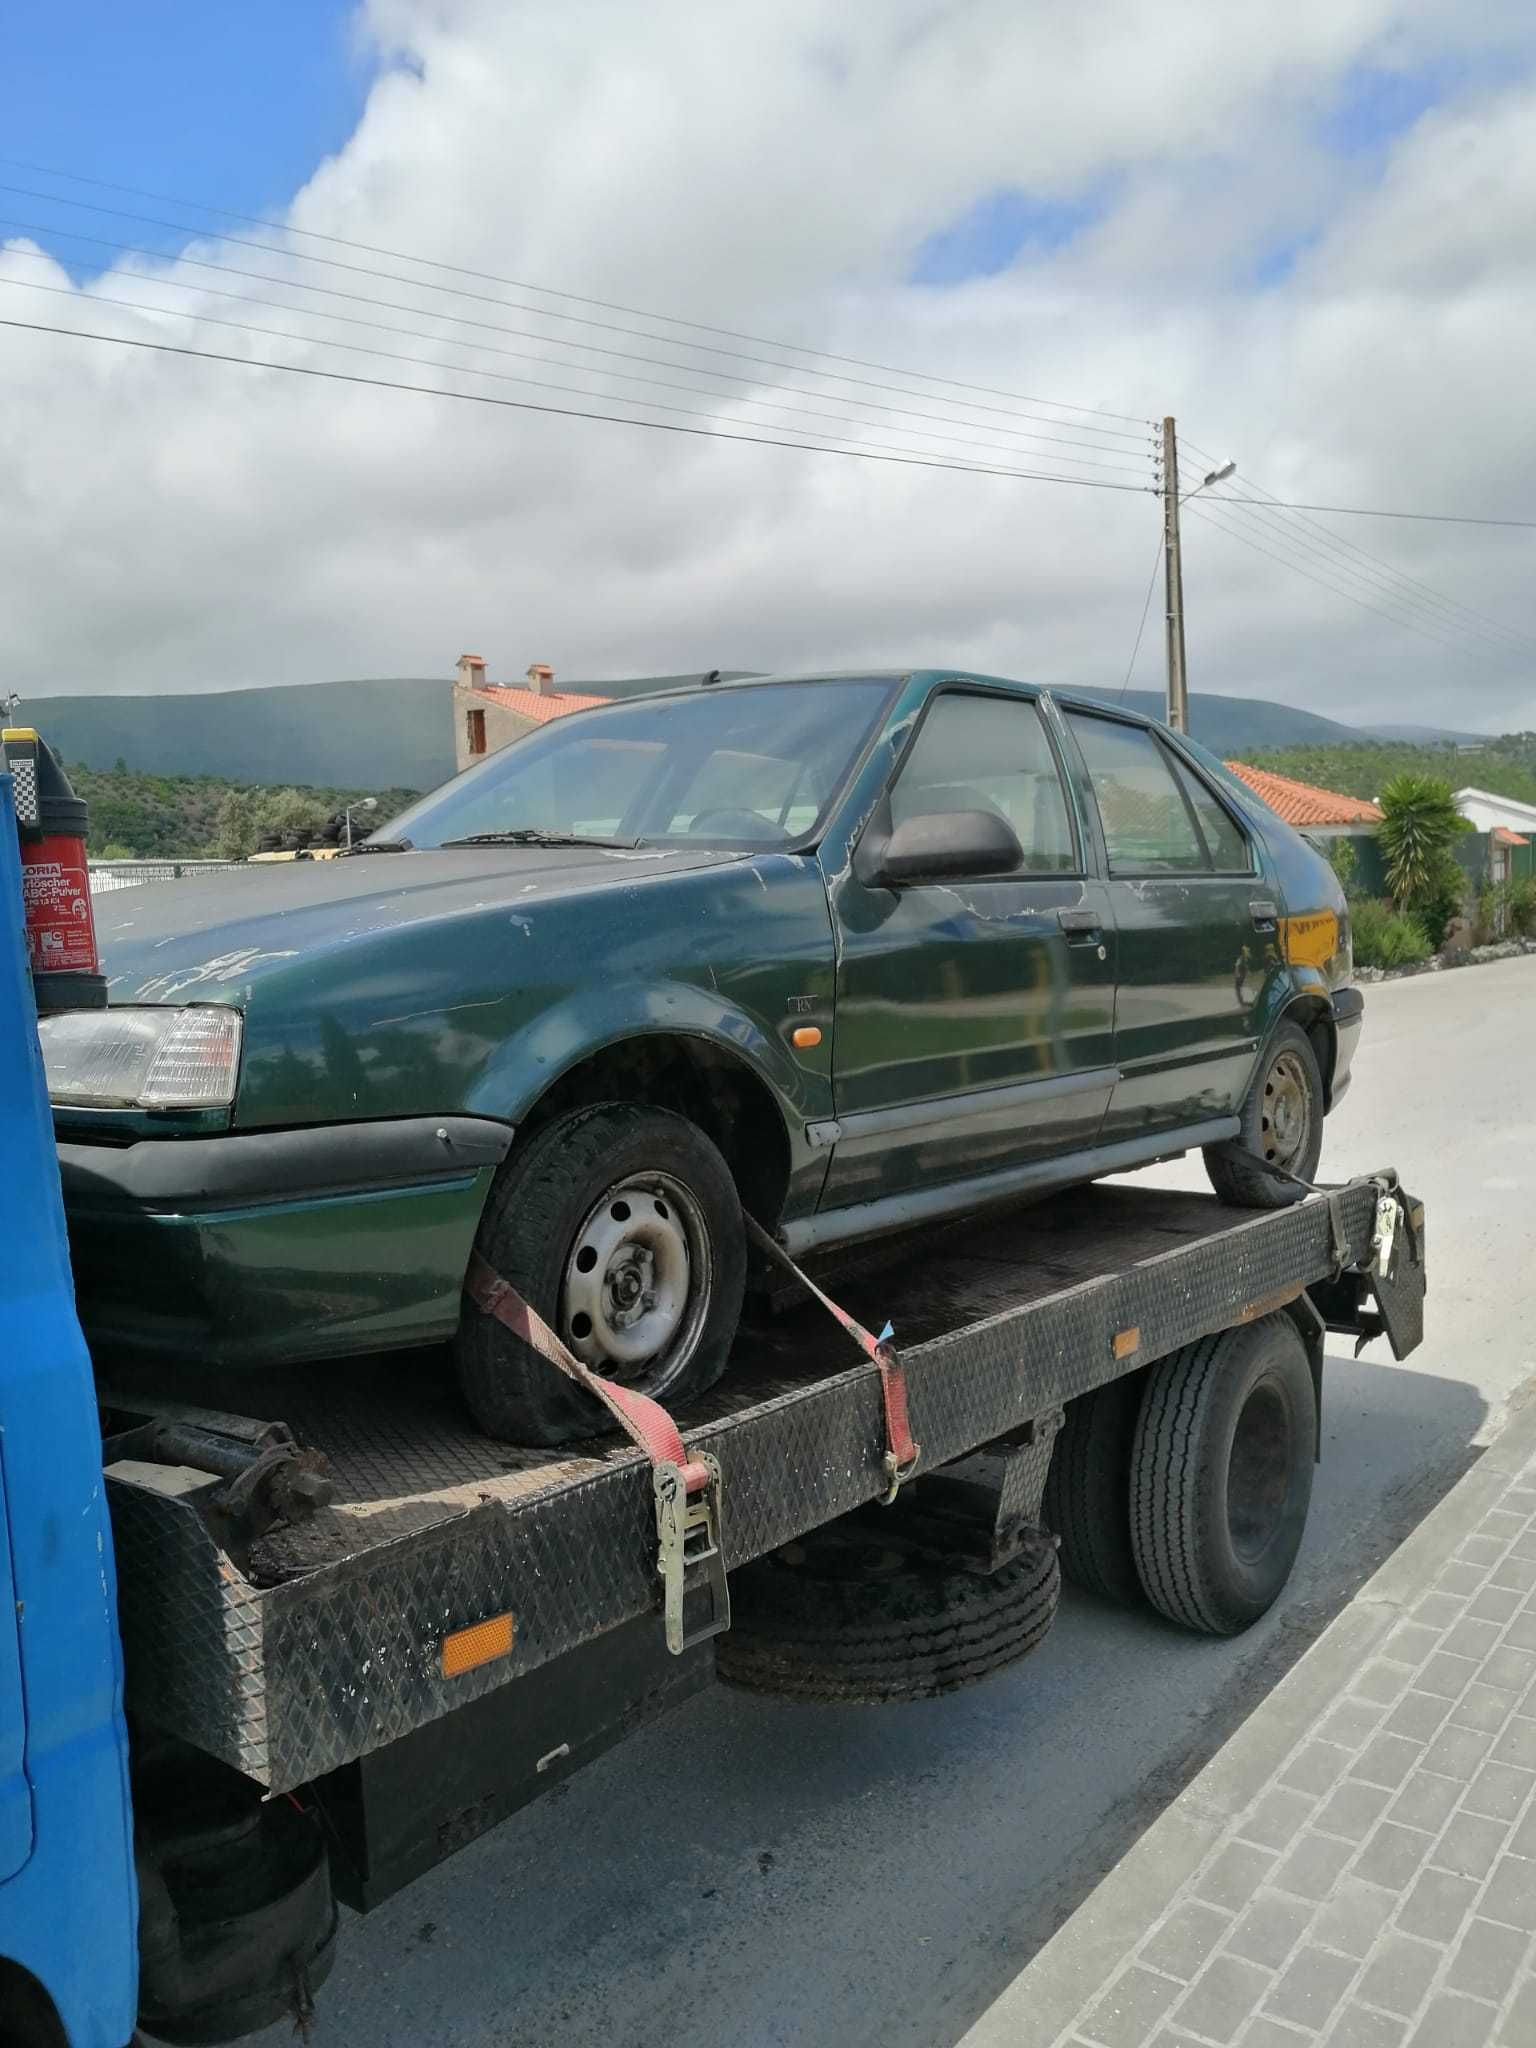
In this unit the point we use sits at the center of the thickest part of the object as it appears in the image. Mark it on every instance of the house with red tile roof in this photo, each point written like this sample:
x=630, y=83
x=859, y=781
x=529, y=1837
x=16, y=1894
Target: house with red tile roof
x=488, y=716
x=1324, y=813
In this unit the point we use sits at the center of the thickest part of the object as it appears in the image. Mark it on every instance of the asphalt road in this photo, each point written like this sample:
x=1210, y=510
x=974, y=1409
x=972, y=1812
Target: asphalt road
x=834, y=1877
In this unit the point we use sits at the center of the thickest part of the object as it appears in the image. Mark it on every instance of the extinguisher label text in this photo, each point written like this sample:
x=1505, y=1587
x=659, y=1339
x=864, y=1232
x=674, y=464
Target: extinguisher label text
x=57, y=904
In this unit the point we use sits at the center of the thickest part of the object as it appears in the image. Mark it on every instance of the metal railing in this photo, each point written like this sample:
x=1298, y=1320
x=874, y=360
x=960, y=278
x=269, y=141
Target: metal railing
x=127, y=874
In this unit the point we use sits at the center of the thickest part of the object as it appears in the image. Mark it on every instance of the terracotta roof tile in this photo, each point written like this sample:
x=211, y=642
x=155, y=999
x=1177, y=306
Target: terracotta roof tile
x=539, y=705
x=1502, y=836
x=1300, y=804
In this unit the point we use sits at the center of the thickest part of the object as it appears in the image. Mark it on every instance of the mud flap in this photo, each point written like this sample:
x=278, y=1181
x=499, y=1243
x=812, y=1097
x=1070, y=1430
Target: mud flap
x=1397, y=1280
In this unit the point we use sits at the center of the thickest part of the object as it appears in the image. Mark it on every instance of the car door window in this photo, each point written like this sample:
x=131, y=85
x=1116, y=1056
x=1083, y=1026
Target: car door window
x=1148, y=827
x=1224, y=840
x=977, y=753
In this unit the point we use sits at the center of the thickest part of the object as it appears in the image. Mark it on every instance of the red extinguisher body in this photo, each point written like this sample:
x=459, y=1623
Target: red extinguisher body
x=51, y=822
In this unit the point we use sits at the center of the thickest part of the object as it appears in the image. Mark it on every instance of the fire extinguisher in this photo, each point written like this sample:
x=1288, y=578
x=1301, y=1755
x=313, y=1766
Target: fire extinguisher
x=55, y=881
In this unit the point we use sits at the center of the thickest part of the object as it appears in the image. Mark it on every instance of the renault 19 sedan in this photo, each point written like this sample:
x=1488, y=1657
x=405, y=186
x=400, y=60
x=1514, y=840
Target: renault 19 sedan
x=852, y=953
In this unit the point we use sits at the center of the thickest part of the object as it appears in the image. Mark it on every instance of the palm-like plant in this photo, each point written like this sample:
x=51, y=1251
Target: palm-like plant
x=1419, y=822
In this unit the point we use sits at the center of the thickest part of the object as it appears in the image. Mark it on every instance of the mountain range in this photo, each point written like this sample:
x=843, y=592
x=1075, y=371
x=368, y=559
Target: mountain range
x=396, y=731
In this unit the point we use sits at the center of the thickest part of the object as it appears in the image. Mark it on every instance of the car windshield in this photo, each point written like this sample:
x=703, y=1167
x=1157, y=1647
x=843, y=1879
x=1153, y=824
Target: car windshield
x=744, y=766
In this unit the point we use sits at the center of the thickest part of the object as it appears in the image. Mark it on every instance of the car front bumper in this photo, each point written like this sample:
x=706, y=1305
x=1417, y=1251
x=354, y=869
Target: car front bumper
x=266, y=1247
x=1348, y=1006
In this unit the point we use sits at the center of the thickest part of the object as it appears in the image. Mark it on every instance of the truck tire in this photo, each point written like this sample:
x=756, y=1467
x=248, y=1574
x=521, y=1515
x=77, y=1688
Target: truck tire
x=1088, y=1491
x=620, y=1224
x=849, y=1615
x=1221, y=1475
x=1282, y=1121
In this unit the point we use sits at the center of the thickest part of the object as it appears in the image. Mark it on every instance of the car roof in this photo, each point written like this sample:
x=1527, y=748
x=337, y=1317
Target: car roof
x=1077, y=699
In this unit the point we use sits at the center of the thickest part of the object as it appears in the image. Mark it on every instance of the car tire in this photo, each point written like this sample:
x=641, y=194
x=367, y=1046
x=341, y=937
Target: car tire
x=605, y=1199
x=1087, y=1503
x=851, y=1615
x=1282, y=1122
x=1221, y=1475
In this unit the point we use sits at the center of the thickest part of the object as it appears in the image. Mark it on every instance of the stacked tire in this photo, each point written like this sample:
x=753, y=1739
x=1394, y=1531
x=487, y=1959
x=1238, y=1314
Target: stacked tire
x=853, y=1615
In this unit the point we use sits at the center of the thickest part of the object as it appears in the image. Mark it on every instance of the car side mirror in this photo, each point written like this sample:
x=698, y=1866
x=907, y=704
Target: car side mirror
x=946, y=846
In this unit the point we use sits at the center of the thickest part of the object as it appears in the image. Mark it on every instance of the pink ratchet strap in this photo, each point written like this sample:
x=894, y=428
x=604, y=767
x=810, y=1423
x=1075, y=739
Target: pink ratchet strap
x=901, y=1453
x=687, y=1490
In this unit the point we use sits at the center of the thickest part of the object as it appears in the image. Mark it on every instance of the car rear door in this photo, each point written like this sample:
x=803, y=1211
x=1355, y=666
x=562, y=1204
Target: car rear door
x=975, y=1019
x=1195, y=921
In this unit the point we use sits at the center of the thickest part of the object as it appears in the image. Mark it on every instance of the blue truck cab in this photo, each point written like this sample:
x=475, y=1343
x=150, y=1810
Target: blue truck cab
x=68, y=1902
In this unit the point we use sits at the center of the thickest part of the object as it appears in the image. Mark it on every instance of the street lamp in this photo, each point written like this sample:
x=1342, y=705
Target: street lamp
x=1215, y=476
x=367, y=803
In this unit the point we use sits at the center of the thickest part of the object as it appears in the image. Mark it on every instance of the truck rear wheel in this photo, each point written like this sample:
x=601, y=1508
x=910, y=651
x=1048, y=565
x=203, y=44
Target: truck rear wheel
x=621, y=1225
x=1088, y=1491
x=1221, y=1475
x=852, y=1615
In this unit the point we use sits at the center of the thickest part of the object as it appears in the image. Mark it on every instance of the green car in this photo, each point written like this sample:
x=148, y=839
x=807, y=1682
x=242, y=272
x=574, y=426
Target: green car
x=854, y=953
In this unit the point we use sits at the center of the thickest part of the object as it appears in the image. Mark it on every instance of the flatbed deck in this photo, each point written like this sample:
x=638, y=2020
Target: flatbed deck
x=319, y=1644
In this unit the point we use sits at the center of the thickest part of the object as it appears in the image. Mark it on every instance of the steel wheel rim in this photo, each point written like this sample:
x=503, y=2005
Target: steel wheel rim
x=1285, y=1111
x=636, y=1287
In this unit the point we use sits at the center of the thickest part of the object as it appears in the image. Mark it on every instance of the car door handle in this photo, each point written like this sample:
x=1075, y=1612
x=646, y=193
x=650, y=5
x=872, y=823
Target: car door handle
x=1089, y=922
x=1265, y=915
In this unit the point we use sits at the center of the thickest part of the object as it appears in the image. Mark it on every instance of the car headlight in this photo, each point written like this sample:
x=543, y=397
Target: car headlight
x=150, y=1058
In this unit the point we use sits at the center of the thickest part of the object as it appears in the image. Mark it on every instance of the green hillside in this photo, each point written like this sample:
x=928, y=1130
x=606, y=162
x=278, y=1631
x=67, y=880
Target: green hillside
x=182, y=816
x=1506, y=766
x=386, y=732
x=397, y=731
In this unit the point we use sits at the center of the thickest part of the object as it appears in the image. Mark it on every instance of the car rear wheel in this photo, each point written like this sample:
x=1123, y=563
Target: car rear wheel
x=621, y=1225
x=1282, y=1125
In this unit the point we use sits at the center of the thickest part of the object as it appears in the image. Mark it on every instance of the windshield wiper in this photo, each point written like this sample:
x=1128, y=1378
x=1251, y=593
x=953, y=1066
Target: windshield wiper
x=378, y=846
x=532, y=835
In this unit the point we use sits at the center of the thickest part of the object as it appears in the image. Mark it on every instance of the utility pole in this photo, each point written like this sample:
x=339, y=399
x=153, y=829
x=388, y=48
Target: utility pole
x=1173, y=579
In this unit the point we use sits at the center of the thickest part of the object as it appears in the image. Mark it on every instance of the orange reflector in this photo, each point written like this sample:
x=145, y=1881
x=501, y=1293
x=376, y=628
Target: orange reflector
x=468, y=1648
x=805, y=1036
x=1124, y=1342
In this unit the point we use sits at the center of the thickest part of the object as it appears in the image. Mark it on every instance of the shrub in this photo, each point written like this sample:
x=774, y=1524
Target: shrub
x=1522, y=907
x=1384, y=937
x=1440, y=900
x=1345, y=862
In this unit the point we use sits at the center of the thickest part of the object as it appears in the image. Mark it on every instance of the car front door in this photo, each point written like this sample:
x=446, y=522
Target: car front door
x=1195, y=921
x=975, y=1015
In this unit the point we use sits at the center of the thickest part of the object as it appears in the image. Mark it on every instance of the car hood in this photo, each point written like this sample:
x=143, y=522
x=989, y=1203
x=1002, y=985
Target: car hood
x=208, y=937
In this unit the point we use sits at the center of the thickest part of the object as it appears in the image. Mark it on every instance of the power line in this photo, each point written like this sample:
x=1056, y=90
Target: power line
x=494, y=299
x=923, y=461
x=522, y=355
x=1146, y=607
x=472, y=370
x=1384, y=512
x=518, y=284
x=1413, y=590
x=1410, y=625
x=1451, y=631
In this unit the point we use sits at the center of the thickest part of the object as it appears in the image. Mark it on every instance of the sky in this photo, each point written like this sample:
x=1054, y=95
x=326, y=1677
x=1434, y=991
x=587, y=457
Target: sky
x=981, y=235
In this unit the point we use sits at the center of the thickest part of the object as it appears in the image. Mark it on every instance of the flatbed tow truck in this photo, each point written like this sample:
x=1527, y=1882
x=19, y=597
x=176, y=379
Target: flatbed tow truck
x=358, y=1634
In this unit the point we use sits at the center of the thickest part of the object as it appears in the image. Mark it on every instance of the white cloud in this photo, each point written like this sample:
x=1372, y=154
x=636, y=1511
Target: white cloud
x=169, y=524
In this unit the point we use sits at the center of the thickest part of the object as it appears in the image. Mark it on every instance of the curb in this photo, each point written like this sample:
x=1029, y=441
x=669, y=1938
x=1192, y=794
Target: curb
x=1448, y=963
x=1070, y=1971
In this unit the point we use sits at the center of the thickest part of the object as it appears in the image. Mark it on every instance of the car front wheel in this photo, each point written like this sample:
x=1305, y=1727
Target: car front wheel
x=1282, y=1125
x=621, y=1225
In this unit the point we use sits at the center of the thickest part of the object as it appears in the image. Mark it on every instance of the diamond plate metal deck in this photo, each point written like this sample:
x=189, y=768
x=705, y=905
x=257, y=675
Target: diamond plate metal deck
x=325, y=1647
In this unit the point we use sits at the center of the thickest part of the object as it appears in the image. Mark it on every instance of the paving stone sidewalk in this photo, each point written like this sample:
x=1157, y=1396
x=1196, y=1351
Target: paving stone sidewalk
x=1357, y=1867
